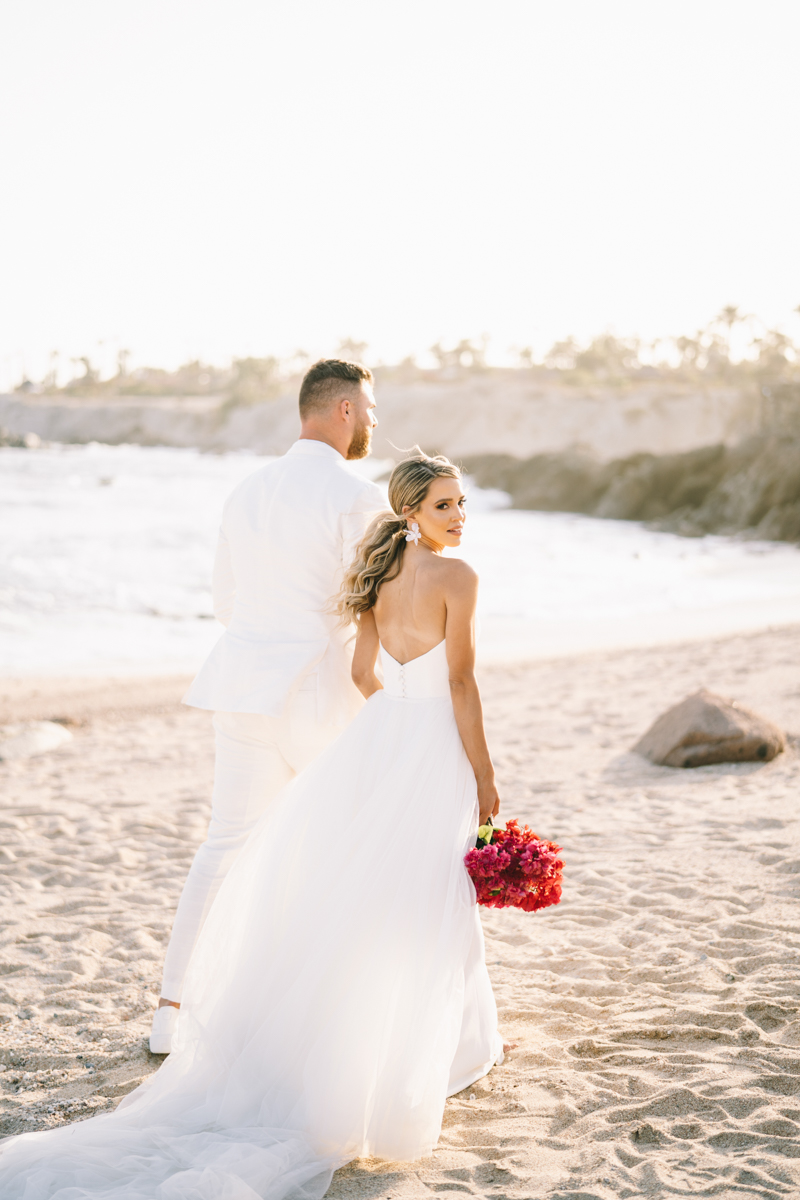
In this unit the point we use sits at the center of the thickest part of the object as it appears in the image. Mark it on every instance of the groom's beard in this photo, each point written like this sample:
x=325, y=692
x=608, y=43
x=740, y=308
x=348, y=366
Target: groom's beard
x=360, y=442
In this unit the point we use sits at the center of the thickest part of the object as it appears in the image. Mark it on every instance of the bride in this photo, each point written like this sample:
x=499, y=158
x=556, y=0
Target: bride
x=338, y=992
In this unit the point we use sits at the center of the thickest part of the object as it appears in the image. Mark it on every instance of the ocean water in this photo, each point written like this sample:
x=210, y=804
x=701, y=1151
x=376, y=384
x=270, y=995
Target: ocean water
x=106, y=552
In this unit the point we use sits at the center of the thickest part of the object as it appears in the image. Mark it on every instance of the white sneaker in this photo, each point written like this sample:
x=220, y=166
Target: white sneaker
x=164, y=1021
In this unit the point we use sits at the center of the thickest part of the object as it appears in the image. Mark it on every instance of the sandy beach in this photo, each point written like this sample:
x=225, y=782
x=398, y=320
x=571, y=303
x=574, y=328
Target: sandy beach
x=655, y=1009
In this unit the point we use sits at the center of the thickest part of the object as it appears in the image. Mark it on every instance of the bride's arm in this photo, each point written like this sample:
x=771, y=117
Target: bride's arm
x=365, y=656
x=461, y=598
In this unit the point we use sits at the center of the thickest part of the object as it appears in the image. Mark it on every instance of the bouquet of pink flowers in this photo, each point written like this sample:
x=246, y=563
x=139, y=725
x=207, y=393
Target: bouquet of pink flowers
x=513, y=868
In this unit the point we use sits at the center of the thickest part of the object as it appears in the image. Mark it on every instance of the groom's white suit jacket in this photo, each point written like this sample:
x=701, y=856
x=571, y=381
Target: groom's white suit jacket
x=287, y=533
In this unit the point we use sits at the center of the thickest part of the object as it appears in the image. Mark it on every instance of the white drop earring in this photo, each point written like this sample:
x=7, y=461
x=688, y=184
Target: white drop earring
x=413, y=534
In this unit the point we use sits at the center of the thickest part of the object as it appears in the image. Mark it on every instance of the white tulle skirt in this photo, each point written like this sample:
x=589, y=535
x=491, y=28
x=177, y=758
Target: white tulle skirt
x=337, y=995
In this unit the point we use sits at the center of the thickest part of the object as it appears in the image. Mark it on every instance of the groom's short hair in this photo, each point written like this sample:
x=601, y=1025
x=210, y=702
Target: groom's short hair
x=326, y=380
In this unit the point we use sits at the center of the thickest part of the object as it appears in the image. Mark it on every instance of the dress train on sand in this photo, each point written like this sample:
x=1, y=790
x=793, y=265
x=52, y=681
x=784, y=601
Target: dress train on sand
x=338, y=992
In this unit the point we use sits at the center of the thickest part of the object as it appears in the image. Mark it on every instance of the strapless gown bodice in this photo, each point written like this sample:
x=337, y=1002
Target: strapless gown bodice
x=423, y=678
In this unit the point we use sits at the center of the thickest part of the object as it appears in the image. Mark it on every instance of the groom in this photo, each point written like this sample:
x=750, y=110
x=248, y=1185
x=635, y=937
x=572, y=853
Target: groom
x=279, y=677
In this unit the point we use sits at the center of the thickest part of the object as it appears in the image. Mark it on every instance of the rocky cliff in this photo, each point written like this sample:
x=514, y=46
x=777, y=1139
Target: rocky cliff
x=688, y=459
x=753, y=486
x=502, y=412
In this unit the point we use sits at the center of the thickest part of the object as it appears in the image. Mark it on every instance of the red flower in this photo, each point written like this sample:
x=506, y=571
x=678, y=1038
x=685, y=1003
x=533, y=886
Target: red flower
x=516, y=870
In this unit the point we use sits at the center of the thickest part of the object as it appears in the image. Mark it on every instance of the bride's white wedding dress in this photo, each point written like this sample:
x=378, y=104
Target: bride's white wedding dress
x=338, y=992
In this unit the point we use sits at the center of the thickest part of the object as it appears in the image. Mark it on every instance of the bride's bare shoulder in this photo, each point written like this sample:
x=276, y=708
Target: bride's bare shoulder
x=457, y=575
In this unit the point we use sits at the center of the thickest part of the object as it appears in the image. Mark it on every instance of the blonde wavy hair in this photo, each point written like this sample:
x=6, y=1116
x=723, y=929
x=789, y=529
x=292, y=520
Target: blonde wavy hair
x=380, y=554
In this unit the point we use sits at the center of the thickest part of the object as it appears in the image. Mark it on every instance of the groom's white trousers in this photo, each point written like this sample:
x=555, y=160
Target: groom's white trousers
x=256, y=756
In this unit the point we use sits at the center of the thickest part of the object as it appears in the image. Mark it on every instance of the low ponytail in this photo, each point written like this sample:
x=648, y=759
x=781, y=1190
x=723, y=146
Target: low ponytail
x=379, y=557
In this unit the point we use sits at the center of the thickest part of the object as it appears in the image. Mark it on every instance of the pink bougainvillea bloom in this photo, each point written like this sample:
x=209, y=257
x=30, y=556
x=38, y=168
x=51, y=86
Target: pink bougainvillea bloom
x=516, y=870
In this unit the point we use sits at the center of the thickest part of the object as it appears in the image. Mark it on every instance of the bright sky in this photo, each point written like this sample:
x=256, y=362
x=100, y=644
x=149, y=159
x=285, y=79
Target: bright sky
x=194, y=178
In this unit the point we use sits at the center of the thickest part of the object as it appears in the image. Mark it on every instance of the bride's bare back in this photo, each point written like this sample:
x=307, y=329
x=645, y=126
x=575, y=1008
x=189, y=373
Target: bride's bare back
x=411, y=611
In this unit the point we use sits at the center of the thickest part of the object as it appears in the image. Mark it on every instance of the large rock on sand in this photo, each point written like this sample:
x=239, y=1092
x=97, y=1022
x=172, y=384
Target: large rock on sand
x=704, y=729
x=31, y=738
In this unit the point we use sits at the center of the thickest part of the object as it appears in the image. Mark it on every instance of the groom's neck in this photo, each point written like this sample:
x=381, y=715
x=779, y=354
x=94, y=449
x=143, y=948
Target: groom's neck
x=336, y=439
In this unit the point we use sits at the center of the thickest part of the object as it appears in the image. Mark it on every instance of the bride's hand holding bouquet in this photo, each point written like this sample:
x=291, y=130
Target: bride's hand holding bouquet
x=488, y=799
